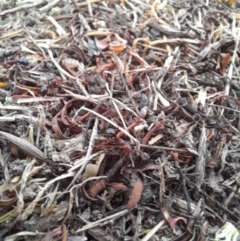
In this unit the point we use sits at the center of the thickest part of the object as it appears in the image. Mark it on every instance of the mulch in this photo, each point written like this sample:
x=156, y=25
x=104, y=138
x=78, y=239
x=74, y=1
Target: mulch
x=119, y=120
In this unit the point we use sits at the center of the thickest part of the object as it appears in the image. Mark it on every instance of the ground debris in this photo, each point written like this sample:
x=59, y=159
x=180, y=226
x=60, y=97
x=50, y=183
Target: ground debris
x=119, y=120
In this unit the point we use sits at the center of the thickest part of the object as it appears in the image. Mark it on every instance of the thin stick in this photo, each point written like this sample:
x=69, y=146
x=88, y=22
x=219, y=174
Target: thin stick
x=89, y=8
x=81, y=97
x=24, y=233
x=162, y=148
x=49, y=6
x=60, y=69
x=64, y=232
x=200, y=162
x=86, y=3
x=33, y=204
x=22, y=7
x=124, y=106
x=119, y=113
x=37, y=99
x=100, y=222
x=124, y=82
x=153, y=231
x=78, y=163
x=224, y=107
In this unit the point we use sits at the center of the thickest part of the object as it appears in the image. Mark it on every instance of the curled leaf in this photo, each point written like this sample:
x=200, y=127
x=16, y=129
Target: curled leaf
x=7, y=199
x=96, y=187
x=92, y=169
x=174, y=221
x=117, y=44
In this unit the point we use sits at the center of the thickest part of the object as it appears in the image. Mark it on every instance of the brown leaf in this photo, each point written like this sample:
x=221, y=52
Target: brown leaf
x=224, y=62
x=135, y=195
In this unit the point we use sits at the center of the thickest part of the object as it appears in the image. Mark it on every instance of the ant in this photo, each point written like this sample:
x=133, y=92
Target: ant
x=53, y=84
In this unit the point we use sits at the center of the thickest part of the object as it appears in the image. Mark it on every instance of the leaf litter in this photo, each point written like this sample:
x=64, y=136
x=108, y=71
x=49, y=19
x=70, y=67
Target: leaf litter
x=119, y=120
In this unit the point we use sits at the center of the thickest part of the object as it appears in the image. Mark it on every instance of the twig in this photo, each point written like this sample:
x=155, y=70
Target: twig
x=162, y=148
x=162, y=186
x=37, y=99
x=50, y=5
x=89, y=7
x=119, y=113
x=59, y=28
x=33, y=204
x=102, y=221
x=183, y=182
x=11, y=35
x=224, y=107
x=60, y=69
x=23, y=234
x=79, y=162
x=64, y=232
x=200, y=162
x=88, y=98
x=22, y=7
x=124, y=106
x=86, y=3
x=153, y=231
x=125, y=83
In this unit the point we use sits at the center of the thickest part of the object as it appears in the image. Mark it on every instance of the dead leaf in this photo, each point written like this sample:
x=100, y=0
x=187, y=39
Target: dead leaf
x=135, y=195
x=225, y=60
